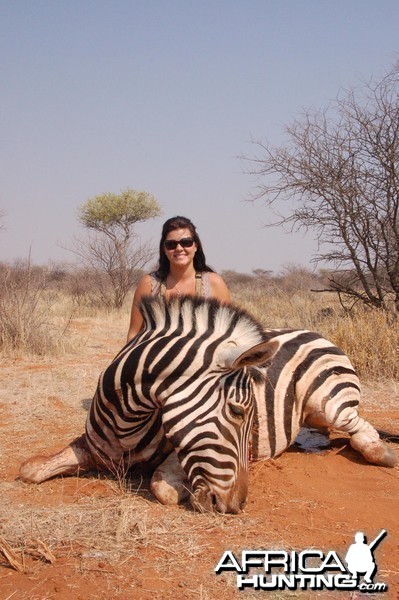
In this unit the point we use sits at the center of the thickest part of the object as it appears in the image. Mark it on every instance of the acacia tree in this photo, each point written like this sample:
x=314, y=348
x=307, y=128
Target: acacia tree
x=339, y=175
x=113, y=248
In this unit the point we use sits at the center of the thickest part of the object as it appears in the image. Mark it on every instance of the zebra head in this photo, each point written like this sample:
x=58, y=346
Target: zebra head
x=208, y=389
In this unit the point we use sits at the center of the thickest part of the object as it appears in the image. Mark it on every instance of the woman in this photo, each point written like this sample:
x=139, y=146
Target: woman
x=182, y=270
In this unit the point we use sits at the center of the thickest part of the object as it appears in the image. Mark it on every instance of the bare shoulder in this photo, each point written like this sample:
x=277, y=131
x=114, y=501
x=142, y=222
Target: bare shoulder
x=219, y=288
x=216, y=279
x=143, y=287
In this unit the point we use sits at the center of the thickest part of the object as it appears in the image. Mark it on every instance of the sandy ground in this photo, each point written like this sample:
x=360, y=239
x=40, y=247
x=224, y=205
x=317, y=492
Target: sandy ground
x=92, y=537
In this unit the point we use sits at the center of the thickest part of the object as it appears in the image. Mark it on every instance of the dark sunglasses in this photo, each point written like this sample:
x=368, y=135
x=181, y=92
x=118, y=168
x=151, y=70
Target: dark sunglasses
x=184, y=243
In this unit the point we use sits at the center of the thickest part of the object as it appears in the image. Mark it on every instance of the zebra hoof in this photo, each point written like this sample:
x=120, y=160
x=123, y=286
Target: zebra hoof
x=169, y=481
x=169, y=492
x=375, y=452
x=390, y=459
x=31, y=471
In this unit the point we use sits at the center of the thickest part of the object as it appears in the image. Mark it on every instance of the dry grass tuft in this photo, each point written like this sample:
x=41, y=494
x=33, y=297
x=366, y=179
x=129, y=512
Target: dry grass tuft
x=115, y=527
x=27, y=323
x=367, y=336
x=369, y=340
x=37, y=317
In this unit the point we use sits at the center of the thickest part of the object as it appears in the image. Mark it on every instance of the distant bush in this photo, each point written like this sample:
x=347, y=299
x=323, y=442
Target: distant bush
x=37, y=305
x=366, y=335
x=25, y=306
x=233, y=279
x=370, y=340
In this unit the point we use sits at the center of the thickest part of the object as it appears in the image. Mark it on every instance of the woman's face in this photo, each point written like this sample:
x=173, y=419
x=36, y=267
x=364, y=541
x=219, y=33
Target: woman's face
x=181, y=255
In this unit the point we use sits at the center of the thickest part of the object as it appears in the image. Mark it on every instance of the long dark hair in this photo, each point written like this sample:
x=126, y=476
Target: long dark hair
x=199, y=258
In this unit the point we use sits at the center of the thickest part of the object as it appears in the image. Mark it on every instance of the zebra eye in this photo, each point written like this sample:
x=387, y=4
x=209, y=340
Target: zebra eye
x=236, y=409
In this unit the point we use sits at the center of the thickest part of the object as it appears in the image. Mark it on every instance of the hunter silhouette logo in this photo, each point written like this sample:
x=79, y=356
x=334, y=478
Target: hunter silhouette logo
x=360, y=559
x=307, y=569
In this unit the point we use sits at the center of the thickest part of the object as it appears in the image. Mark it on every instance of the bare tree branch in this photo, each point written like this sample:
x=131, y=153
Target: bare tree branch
x=338, y=175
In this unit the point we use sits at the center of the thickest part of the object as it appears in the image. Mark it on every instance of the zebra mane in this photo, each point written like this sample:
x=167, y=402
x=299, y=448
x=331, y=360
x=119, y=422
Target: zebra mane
x=201, y=315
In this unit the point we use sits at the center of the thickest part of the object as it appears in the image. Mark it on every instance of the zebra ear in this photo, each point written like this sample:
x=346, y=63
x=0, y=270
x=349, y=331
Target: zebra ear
x=237, y=358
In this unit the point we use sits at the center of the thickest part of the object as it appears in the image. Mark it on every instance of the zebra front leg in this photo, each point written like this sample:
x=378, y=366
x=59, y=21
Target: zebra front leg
x=72, y=459
x=169, y=482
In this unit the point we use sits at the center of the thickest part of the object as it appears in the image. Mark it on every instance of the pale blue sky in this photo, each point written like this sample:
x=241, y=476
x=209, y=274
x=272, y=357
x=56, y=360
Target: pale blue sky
x=164, y=95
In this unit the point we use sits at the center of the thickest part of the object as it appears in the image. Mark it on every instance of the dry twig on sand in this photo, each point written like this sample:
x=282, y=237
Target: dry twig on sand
x=10, y=556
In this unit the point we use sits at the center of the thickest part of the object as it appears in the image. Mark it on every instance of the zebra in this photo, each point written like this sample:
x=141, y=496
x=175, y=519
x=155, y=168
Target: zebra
x=198, y=386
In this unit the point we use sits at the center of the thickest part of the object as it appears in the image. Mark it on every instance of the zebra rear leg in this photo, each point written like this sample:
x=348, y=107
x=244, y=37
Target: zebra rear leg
x=169, y=482
x=364, y=438
x=367, y=441
x=72, y=459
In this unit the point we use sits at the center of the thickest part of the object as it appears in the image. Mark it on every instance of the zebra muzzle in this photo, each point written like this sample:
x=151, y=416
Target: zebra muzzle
x=233, y=500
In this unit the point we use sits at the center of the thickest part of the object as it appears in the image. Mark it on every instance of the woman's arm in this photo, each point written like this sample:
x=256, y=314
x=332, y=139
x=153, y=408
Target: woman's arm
x=219, y=288
x=136, y=320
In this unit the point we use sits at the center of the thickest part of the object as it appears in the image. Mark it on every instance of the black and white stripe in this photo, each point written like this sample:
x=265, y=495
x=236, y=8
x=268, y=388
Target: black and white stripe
x=173, y=378
x=205, y=380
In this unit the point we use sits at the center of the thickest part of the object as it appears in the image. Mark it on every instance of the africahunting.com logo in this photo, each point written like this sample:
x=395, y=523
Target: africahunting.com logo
x=306, y=570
